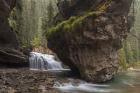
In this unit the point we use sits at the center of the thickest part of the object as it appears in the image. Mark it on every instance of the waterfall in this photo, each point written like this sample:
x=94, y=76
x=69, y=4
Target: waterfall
x=44, y=62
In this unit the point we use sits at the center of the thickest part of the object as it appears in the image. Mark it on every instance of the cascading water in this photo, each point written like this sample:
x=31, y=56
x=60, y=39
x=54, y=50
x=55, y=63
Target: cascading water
x=44, y=62
x=124, y=82
x=83, y=87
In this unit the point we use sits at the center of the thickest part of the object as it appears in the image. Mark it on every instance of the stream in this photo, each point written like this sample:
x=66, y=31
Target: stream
x=123, y=82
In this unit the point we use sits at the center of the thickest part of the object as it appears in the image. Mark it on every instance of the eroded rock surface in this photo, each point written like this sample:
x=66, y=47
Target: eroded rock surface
x=9, y=46
x=89, y=41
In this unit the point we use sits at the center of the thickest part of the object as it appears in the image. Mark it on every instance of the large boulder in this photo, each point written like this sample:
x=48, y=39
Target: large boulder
x=9, y=46
x=90, y=35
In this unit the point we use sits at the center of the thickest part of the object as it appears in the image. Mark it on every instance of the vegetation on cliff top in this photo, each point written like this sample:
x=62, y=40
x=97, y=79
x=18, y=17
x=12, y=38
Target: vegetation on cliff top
x=72, y=24
x=75, y=22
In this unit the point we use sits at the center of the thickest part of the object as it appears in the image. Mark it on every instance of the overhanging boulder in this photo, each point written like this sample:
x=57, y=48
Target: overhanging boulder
x=90, y=35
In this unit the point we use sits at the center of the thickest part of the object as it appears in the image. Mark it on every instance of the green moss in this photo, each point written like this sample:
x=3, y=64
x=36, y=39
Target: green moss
x=75, y=23
x=72, y=24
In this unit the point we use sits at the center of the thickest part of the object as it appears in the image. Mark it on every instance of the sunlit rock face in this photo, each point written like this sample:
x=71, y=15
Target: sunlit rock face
x=9, y=47
x=89, y=43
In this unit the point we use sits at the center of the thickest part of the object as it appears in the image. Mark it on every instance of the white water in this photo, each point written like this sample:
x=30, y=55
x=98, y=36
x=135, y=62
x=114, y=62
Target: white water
x=125, y=82
x=83, y=87
x=44, y=62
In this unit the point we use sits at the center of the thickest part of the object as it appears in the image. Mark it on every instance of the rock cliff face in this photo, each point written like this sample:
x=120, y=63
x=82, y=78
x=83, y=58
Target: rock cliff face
x=9, y=47
x=88, y=36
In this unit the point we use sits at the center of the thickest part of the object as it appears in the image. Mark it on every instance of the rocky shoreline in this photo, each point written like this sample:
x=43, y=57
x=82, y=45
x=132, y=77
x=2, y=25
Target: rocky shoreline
x=22, y=80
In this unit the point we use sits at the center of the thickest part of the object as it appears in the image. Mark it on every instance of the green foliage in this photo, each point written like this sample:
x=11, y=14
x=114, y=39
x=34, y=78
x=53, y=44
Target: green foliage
x=131, y=46
x=30, y=19
x=50, y=10
x=122, y=60
x=48, y=18
x=36, y=42
x=72, y=24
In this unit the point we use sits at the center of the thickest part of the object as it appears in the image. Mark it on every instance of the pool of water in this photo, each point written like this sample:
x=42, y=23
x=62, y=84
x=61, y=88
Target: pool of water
x=124, y=82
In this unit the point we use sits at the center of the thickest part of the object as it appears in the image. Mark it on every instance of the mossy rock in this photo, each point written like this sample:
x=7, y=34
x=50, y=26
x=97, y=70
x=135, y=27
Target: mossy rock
x=71, y=25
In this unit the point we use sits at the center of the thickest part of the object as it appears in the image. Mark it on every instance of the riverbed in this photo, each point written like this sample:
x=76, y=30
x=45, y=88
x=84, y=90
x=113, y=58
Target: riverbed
x=123, y=82
x=46, y=74
x=24, y=80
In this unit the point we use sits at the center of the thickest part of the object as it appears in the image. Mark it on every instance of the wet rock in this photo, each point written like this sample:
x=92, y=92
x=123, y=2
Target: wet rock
x=88, y=42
